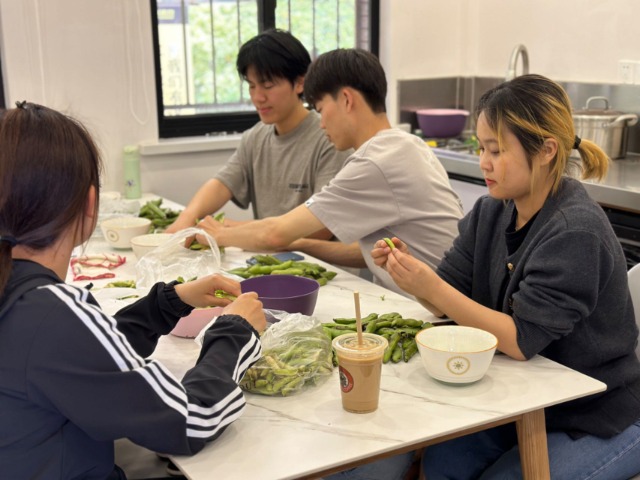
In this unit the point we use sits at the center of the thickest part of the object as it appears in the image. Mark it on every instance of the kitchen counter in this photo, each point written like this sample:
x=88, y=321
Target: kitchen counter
x=620, y=189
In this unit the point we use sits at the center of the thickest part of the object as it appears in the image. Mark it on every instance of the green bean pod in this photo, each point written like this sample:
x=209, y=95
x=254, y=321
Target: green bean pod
x=344, y=321
x=396, y=355
x=410, y=350
x=371, y=326
x=289, y=271
x=407, y=322
x=393, y=341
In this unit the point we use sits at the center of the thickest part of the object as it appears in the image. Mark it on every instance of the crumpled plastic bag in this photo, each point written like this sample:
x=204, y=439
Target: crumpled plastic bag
x=172, y=260
x=296, y=354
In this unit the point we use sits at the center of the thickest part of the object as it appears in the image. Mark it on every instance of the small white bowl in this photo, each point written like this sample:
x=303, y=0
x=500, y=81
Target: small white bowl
x=456, y=354
x=120, y=230
x=143, y=244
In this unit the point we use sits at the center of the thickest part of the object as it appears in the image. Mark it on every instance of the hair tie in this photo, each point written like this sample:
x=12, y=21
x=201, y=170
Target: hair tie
x=576, y=143
x=8, y=239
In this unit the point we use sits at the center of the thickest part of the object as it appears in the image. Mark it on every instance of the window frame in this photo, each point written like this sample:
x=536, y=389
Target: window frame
x=228, y=122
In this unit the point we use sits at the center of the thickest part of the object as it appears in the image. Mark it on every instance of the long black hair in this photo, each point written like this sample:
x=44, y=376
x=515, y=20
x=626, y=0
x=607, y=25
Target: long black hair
x=48, y=163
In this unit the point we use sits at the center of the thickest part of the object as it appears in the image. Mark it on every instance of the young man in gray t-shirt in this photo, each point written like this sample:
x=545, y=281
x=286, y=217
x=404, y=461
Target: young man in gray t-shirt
x=285, y=158
x=391, y=186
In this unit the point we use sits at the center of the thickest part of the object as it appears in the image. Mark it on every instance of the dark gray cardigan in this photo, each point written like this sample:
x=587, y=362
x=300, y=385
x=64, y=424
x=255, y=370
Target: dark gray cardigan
x=567, y=293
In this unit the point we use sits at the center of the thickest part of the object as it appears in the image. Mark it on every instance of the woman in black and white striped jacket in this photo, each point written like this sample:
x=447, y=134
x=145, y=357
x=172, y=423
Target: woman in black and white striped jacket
x=72, y=378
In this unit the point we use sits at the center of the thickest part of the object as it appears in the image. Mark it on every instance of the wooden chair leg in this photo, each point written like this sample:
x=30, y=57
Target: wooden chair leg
x=415, y=472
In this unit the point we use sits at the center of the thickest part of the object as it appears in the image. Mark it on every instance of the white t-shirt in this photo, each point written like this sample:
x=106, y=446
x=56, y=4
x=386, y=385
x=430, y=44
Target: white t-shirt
x=393, y=185
x=276, y=173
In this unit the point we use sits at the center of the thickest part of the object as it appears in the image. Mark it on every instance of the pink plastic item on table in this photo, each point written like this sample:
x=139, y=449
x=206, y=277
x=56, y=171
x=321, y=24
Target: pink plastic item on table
x=190, y=326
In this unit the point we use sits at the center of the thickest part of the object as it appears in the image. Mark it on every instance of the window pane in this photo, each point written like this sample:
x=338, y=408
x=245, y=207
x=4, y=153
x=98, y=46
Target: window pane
x=321, y=25
x=197, y=42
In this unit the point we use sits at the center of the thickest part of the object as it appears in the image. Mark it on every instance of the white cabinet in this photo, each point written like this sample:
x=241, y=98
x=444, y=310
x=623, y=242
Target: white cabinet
x=468, y=192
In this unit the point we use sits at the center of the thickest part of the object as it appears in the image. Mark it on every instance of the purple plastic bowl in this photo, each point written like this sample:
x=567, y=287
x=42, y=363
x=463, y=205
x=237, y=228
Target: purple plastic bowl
x=284, y=292
x=441, y=122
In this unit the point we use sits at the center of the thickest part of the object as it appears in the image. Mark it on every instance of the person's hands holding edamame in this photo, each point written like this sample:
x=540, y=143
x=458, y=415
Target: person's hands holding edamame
x=382, y=249
x=410, y=274
x=184, y=220
x=202, y=293
x=248, y=307
x=210, y=225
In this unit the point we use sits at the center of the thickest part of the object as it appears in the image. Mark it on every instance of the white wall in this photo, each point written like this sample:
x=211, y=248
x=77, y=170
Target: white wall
x=421, y=39
x=93, y=60
x=569, y=40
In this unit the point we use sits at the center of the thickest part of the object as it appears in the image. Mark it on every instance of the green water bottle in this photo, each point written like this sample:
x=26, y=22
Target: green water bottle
x=131, y=157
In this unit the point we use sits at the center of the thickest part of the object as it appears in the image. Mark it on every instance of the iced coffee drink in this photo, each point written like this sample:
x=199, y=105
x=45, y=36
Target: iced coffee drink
x=360, y=367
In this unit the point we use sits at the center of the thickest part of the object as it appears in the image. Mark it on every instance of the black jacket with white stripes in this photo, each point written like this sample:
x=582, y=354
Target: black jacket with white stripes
x=73, y=379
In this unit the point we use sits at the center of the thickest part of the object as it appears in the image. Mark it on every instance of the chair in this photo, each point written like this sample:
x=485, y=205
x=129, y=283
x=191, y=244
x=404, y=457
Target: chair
x=634, y=287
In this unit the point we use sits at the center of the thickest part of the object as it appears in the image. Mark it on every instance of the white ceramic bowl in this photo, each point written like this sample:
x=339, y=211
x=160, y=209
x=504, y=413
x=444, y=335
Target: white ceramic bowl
x=143, y=244
x=119, y=231
x=456, y=354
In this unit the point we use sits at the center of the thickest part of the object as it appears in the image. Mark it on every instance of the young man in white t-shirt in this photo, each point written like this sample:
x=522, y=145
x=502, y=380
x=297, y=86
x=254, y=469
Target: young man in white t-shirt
x=285, y=158
x=391, y=186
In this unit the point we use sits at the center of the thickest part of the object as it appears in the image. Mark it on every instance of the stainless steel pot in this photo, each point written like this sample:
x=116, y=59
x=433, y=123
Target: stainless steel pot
x=609, y=129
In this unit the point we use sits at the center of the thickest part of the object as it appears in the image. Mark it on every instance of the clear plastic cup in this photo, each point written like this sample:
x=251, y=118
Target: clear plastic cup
x=360, y=369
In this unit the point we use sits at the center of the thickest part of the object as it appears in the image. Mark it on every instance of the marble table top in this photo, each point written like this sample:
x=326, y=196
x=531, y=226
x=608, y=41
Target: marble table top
x=308, y=434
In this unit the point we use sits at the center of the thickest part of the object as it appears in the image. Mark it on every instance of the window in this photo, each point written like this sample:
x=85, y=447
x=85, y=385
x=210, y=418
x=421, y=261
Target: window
x=196, y=43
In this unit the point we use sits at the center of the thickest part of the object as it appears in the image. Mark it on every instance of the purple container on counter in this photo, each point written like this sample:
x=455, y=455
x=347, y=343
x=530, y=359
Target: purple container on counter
x=441, y=122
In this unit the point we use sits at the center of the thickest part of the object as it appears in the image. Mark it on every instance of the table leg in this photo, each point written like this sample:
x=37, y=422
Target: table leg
x=532, y=443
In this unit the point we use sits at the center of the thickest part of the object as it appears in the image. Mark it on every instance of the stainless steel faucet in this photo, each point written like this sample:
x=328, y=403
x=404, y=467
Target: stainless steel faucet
x=517, y=51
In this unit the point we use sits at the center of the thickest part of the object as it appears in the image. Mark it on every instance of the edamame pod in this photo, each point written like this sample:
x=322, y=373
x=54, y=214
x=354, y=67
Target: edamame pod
x=396, y=355
x=393, y=341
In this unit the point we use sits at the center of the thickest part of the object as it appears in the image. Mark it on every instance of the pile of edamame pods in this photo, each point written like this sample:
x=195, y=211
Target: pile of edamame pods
x=400, y=332
x=270, y=265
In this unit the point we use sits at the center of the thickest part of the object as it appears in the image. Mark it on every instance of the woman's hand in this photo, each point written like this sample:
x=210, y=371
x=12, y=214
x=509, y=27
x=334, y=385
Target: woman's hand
x=410, y=274
x=382, y=250
x=202, y=293
x=248, y=307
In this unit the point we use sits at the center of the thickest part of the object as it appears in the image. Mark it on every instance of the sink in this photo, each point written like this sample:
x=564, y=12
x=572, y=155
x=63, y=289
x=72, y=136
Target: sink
x=459, y=163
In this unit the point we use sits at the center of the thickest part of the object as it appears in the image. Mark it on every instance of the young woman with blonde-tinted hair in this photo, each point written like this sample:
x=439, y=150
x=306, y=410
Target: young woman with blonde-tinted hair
x=537, y=264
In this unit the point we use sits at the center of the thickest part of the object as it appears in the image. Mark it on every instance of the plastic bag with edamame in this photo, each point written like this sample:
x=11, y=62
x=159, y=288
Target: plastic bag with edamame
x=296, y=354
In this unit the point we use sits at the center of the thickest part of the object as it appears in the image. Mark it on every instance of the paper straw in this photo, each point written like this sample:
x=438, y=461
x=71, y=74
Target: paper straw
x=356, y=299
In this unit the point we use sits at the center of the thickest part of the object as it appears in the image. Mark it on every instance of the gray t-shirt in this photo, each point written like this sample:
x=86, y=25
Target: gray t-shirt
x=393, y=185
x=276, y=173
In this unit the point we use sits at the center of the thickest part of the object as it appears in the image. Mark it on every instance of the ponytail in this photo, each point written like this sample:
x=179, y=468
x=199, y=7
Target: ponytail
x=595, y=162
x=5, y=265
